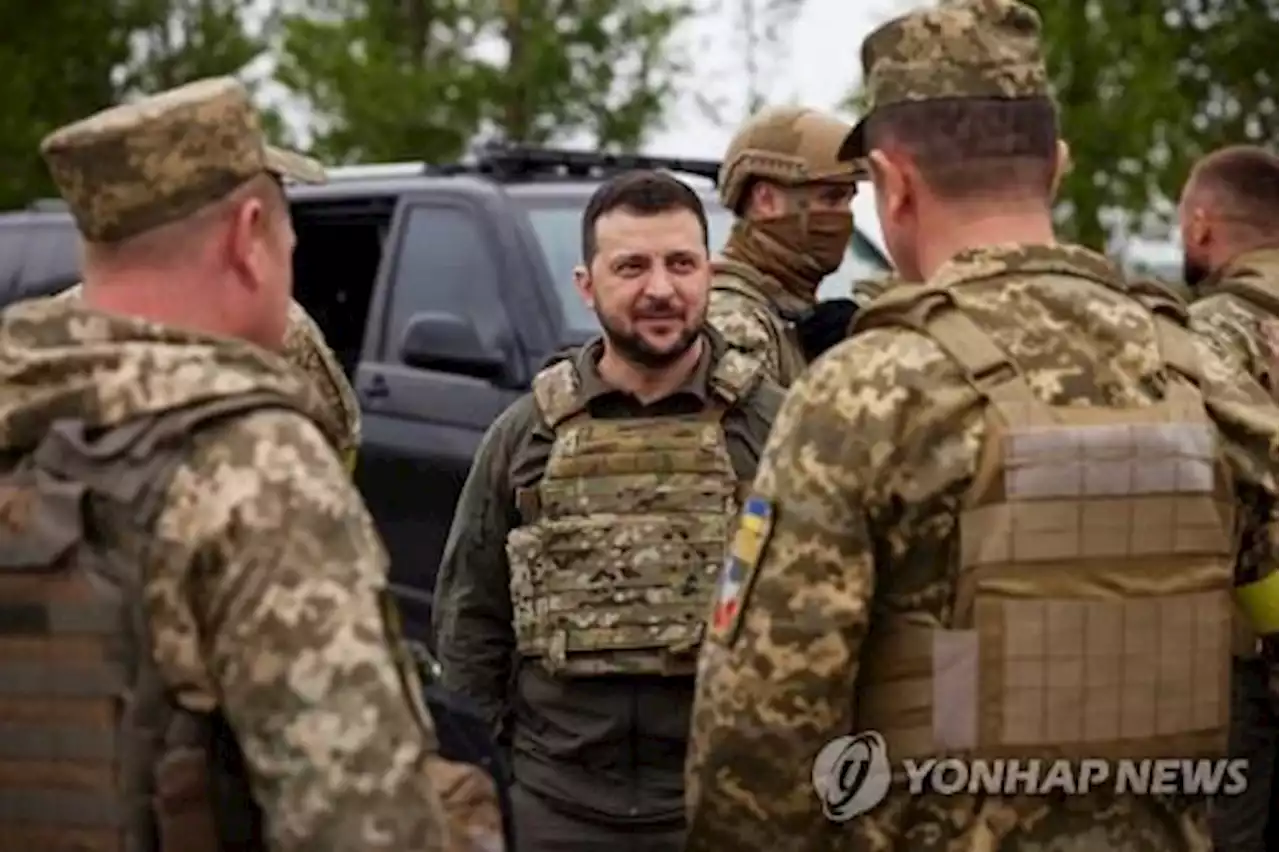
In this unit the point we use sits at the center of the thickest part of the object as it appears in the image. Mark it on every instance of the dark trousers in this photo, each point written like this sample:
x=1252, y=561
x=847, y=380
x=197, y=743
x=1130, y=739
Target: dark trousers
x=542, y=828
x=1247, y=822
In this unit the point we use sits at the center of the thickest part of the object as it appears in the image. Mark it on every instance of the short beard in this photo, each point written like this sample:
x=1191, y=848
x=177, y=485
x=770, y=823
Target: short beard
x=633, y=348
x=1194, y=272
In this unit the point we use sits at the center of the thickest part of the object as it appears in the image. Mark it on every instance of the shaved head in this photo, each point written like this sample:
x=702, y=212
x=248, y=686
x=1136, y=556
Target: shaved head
x=1228, y=207
x=1240, y=184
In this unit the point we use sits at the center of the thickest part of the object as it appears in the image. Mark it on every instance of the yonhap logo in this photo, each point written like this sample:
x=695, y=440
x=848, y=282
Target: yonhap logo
x=851, y=775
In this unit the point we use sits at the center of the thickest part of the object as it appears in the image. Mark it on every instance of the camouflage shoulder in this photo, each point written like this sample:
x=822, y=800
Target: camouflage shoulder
x=743, y=324
x=306, y=349
x=243, y=482
x=882, y=382
x=1231, y=330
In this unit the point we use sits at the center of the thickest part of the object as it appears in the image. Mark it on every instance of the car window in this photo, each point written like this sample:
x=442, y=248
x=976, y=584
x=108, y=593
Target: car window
x=51, y=261
x=12, y=253
x=446, y=264
x=557, y=225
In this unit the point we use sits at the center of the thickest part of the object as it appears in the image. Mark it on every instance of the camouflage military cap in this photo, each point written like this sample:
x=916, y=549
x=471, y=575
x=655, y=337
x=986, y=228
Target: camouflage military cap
x=137, y=166
x=961, y=49
x=788, y=145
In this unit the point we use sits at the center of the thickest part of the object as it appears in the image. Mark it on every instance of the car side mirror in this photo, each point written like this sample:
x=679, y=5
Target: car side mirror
x=451, y=344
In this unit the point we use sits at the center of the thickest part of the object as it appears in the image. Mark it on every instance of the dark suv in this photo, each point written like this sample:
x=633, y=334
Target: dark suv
x=442, y=289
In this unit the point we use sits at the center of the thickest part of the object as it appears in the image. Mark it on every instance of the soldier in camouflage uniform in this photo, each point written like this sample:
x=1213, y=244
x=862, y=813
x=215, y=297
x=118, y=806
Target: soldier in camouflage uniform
x=791, y=196
x=1002, y=519
x=571, y=597
x=306, y=349
x=1229, y=221
x=216, y=663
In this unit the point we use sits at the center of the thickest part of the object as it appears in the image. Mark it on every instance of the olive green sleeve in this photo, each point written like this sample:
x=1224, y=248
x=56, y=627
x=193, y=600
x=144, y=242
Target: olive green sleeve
x=472, y=613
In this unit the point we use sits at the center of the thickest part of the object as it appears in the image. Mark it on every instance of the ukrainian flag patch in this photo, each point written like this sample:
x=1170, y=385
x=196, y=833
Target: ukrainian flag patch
x=755, y=524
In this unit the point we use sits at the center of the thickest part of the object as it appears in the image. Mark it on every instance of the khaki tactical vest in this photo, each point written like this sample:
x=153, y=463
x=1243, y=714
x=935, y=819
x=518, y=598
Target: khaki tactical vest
x=622, y=540
x=735, y=277
x=1092, y=609
x=95, y=755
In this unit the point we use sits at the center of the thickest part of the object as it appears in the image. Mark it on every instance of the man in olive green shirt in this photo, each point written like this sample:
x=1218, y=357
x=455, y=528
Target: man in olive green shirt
x=579, y=570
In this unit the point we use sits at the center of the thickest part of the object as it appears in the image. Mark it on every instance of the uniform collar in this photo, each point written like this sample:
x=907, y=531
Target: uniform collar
x=593, y=386
x=1012, y=258
x=1259, y=263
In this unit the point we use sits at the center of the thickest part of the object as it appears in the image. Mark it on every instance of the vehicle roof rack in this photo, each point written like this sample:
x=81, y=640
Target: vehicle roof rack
x=506, y=161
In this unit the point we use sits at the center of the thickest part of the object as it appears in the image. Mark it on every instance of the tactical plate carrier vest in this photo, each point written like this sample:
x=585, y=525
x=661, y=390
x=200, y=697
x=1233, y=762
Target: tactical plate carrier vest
x=734, y=277
x=1092, y=609
x=95, y=755
x=622, y=540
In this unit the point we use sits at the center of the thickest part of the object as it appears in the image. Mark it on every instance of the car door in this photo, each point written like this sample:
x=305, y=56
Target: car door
x=423, y=423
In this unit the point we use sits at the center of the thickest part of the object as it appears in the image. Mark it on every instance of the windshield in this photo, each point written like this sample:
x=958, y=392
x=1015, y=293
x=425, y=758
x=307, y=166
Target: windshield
x=558, y=224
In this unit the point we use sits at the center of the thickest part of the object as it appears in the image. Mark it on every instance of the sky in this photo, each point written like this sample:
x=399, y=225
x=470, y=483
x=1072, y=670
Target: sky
x=817, y=66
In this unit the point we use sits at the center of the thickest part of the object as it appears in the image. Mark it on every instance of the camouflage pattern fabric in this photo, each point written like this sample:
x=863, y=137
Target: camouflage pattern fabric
x=135, y=167
x=863, y=477
x=261, y=491
x=305, y=349
x=578, y=743
x=865, y=291
x=1240, y=326
x=625, y=508
x=1236, y=316
x=746, y=309
x=961, y=49
x=788, y=145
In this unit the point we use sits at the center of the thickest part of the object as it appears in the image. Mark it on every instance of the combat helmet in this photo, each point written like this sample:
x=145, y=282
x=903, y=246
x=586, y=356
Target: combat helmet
x=787, y=145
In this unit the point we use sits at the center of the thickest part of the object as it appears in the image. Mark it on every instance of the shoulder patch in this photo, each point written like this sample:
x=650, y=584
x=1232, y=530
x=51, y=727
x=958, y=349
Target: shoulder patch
x=555, y=391
x=755, y=526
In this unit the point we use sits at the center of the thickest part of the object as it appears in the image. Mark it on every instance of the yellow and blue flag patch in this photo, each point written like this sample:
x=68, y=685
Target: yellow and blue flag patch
x=755, y=525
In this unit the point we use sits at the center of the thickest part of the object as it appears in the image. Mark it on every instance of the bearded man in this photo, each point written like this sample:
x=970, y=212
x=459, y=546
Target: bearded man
x=578, y=572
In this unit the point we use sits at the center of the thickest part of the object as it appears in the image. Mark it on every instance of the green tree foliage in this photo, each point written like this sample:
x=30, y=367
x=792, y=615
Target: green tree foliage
x=48, y=76
x=419, y=79
x=73, y=59
x=1146, y=87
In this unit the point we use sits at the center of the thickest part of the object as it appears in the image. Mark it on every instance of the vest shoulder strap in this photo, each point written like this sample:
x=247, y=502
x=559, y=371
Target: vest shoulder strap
x=1170, y=315
x=931, y=310
x=132, y=463
x=556, y=393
